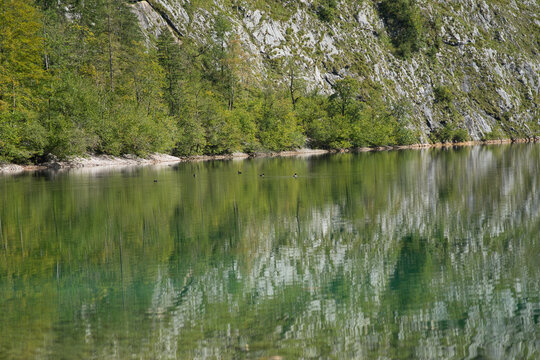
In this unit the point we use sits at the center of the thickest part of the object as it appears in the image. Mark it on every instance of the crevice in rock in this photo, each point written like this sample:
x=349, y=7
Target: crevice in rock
x=164, y=16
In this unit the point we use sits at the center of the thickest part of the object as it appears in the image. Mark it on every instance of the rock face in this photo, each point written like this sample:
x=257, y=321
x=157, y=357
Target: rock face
x=488, y=55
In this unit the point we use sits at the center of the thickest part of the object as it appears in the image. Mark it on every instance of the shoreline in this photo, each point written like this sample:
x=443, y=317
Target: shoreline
x=102, y=161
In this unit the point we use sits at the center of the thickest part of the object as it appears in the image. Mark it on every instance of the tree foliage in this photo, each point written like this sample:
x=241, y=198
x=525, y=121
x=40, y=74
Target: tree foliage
x=22, y=80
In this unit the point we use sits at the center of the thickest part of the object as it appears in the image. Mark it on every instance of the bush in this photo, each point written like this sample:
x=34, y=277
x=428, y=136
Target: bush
x=460, y=135
x=278, y=125
x=374, y=127
x=73, y=116
x=322, y=129
x=22, y=138
x=326, y=10
x=451, y=133
x=402, y=112
x=191, y=137
x=405, y=136
x=404, y=25
x=495, y=134
x=247, y=129
x=442, y=94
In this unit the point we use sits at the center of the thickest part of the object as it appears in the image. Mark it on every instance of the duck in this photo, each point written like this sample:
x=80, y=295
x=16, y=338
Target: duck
x=295, y=176
x=155, y=180
x=239, y=172
x=261, y=175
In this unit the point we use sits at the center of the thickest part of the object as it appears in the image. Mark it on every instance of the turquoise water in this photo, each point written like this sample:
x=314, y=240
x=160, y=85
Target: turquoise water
x=421, y=254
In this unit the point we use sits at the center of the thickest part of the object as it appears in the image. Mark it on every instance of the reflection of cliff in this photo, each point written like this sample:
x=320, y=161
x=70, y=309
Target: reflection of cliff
x=358, y=266
x=424, y=254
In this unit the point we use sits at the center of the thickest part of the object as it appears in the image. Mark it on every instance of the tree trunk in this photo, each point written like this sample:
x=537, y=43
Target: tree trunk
x=45, y=55
x=13, y=90
x=110, y=44
x=231, y=97
x=291, y=85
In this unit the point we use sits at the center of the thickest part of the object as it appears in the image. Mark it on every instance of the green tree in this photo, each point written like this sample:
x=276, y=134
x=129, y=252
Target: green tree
x=21, y=46
x=170, y=60
x=345, y=92
x=278, y=127
x=21, y=80
x=215, y=56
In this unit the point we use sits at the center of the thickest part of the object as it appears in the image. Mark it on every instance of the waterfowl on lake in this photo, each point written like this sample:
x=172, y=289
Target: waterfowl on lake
x=295, y=176
x=239, y=172
x=155, y=180
x=261, y=175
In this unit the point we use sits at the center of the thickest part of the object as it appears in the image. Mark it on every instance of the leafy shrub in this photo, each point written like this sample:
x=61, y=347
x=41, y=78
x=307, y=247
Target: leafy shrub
x=278, y=125
x=247, y=129
x=460, y=135
x=402, y=112
x=449, y=132
x=405, y=136
x=404, y=25
x=73, y=117
x=22, y=138
x=442, y=94
x=495, y=134
x=326, y=10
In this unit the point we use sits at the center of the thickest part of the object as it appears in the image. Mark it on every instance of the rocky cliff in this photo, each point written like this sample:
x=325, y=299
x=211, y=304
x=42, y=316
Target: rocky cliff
x=483, y=55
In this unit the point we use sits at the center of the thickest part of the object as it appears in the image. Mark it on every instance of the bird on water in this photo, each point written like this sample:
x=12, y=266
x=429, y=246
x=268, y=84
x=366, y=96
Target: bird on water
x=295, y=176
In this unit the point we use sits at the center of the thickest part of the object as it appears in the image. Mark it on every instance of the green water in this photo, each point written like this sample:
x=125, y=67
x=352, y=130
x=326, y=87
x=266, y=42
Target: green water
x=426, y=254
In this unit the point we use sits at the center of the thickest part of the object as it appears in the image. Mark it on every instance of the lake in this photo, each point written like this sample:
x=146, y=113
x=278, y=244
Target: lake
x=414, y=254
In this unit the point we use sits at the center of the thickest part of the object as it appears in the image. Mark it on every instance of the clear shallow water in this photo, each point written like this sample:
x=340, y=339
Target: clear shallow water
x=413, y=254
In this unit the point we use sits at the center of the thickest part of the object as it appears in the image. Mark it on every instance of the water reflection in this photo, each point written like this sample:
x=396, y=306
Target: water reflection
x=410, y=254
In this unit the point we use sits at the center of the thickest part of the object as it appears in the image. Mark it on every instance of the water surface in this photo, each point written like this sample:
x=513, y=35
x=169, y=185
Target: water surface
x=423, y=254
